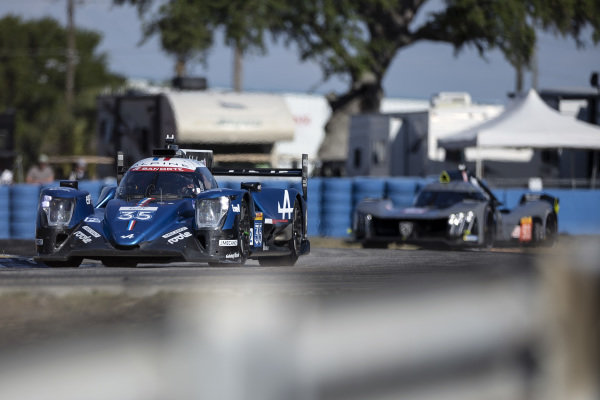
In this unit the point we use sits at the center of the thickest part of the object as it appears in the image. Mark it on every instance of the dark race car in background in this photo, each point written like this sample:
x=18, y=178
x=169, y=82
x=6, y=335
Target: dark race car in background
x=169, y=208
x=459, y=210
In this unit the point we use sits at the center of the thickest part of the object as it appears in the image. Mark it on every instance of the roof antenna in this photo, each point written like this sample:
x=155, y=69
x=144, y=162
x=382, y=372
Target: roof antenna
x=170, y=141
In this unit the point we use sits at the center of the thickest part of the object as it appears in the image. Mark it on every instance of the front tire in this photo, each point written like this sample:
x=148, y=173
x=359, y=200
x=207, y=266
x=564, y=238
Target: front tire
x=374, y=245
x=489, y=231
x=72, y=262
x=243, y=235
x=244, y=226
x=119, y=263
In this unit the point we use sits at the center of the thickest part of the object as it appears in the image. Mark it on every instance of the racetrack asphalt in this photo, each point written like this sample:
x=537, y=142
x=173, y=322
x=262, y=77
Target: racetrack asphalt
x=336, y=269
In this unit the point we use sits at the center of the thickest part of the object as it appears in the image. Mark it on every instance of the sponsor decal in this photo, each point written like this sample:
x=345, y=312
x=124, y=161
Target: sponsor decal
x=179, y=236
x=130, y=236
x=137, y=208
x=232, y=255
x=83, y=237
x=162, y=169
x=39, y=242
x=175, y=232
x=286, y=208
x=88, y=199
x=92, y=219
x=228, y=243
x=526, y=229
x=235, y=208
x=258, y=233
x=251, y=236
x=268, y=221
x=90, y=231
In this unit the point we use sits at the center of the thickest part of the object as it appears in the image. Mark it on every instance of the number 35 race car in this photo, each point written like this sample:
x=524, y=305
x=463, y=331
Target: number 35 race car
x=169, y=208
x=459, y=210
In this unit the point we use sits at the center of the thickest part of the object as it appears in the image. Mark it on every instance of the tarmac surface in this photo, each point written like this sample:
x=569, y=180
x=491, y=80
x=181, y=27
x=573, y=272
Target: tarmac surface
x=326, y=271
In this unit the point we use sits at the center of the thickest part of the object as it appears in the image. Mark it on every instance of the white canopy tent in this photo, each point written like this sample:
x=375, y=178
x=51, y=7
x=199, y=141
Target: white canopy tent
x=528, y=123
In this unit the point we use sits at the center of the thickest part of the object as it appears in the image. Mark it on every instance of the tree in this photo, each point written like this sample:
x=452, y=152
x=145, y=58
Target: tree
x=187, y=27
x=185, y=31
x=359, y=40
x=33, y=60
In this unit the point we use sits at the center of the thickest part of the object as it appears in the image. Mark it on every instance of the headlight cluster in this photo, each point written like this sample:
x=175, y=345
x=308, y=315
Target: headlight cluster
x=58, y=211
x=461, y=223
x=211, y=212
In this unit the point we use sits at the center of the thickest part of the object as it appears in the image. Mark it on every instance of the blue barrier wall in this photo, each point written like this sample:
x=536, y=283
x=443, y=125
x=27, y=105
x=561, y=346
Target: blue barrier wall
x=579, y=212
x=4, y=212
x=331, y=202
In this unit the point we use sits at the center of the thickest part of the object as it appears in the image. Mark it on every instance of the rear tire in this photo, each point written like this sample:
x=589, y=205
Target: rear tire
x=73, y=262
x=551, y=230
x=295, y=243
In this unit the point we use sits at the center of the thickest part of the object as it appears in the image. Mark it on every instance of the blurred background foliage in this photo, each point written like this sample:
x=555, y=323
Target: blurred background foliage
x=32, y=84
x=355, y=40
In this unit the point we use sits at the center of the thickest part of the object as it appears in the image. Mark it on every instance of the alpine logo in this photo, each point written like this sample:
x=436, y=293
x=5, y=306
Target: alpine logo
x=130, y=236
x=287, y=208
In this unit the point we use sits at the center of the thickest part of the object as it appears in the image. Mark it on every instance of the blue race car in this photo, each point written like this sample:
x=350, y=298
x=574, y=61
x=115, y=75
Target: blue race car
x=169, y=208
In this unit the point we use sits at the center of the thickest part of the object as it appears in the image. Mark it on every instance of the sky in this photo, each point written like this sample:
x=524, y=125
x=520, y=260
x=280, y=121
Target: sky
x=417, y=72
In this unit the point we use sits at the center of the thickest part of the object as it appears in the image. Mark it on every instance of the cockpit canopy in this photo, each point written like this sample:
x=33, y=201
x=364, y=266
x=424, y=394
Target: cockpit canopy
x=165, y=184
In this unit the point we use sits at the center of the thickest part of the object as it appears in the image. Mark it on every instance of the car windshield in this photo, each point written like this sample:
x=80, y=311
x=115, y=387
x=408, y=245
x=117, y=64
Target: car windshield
x=444, y=199
x=162, y=185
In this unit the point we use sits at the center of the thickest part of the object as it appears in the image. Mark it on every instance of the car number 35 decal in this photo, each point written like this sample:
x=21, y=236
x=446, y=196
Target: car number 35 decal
x=136, y=213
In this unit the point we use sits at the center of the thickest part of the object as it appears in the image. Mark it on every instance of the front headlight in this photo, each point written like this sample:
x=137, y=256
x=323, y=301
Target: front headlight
x=460, y=223
x=58, y=211
x=211, y=212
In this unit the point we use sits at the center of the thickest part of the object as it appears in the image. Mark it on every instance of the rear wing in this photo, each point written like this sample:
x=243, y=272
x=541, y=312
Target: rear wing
x=270, y=172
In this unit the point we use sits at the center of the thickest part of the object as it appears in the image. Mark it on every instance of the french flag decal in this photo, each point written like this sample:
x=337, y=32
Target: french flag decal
x=131, y=224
